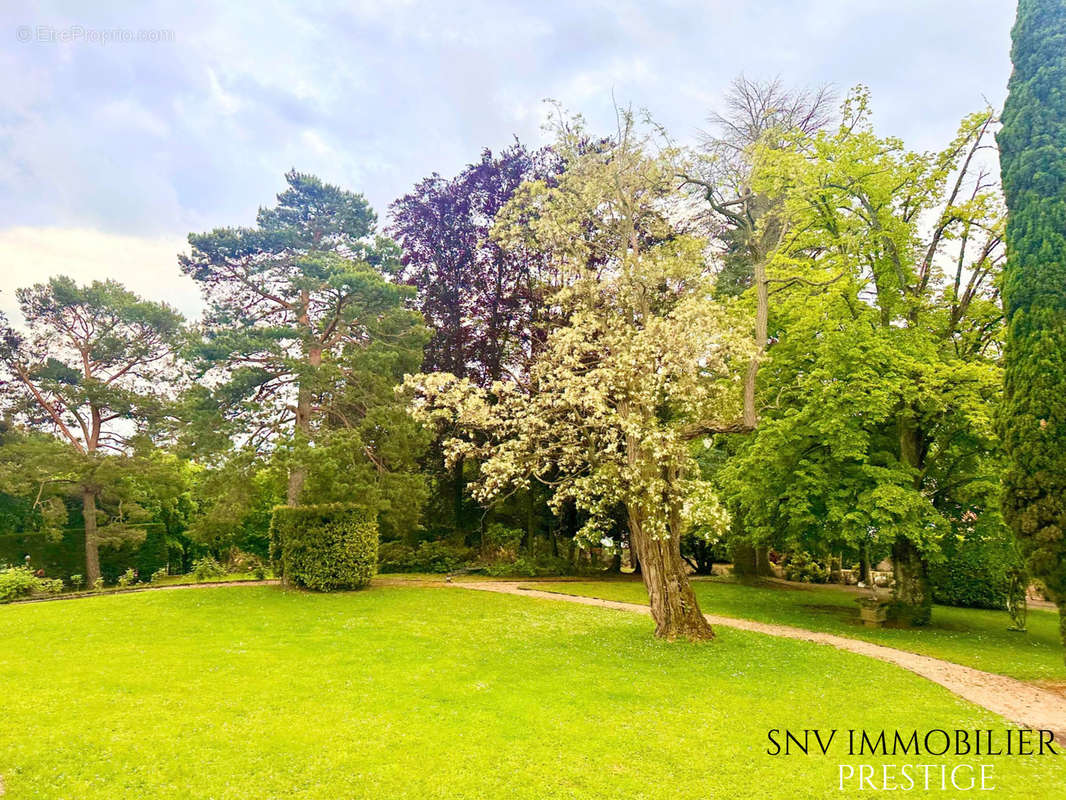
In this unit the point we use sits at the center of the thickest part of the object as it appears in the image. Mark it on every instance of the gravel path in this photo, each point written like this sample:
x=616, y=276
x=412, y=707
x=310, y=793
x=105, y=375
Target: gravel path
x=1020, y=702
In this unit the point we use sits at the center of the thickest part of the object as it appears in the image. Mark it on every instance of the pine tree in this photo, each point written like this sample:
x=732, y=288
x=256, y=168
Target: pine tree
x=1033, y=158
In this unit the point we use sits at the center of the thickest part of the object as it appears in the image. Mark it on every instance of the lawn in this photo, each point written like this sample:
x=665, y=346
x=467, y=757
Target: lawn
x=973, y=637
x=258, y=692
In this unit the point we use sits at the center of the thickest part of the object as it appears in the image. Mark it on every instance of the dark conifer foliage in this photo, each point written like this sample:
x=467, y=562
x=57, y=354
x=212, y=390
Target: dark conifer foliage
x=1033, y=158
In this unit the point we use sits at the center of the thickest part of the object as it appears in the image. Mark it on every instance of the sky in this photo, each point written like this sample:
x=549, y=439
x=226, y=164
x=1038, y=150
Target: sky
x=126, y=126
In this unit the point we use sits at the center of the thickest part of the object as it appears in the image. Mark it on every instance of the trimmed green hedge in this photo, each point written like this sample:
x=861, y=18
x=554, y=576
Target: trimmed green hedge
x=974, y=574
x=324, y=547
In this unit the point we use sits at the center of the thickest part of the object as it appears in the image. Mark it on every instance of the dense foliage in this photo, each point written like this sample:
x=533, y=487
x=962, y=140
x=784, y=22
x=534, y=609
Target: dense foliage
x=975, y=572
x=879, y=388
x=553, y=368
x=306, y=334
x=645, y=362
x=1033, y=158
x=20, y=582
x=324, y=547
x=482, y=302
x=93, y=369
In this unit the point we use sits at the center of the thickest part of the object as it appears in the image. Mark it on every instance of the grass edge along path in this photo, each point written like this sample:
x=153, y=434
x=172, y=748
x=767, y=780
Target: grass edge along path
x=972, y=637
x=1017, y=701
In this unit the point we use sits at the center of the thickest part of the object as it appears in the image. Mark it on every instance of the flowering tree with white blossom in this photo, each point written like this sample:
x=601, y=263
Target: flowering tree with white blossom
x=646, y=363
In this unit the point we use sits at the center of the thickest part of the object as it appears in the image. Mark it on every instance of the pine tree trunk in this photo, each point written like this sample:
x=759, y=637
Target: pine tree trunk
x=297, y=475
x=674, y=608
x=302, y=432
x=913, y=598
x=92, y=547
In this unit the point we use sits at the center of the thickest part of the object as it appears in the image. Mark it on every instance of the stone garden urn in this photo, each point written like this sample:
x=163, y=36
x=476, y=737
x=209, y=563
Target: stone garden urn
x=873, y=610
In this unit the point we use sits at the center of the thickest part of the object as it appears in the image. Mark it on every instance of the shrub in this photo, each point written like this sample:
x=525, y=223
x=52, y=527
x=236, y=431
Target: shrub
x=324, y=547
x=76, y=581
x=17, y=582
x=243, y=561
x=49, y=585
x=159, y=575
x=206, y=568
x=803, y=567
x=436, y=557
x=394, y=557
x=526, y=567
x=98, y=585
x=127, y=578
x=975, y=573
x=702, y=554
x=502, y=537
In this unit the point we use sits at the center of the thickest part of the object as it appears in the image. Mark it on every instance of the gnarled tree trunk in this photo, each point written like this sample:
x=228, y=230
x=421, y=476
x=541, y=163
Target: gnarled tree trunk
x=674, y=608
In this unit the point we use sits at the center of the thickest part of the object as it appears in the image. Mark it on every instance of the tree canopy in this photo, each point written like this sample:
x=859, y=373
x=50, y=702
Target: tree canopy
x=646, y=361
x=306, y=333
x=879, y=385
x=96, y=368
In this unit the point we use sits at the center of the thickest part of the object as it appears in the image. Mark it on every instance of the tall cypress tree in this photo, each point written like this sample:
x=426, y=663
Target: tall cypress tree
x=1033, y=158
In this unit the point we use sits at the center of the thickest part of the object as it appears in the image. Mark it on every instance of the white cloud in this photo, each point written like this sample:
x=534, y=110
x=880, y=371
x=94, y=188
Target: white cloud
x=162, y=139
x=146, y=266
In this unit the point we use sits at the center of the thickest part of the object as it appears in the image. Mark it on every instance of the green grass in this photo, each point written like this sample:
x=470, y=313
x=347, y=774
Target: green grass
x=969, y=636
x=255, y=692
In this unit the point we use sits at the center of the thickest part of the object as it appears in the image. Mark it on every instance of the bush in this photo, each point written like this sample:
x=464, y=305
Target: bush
x=49, y=585
x=127, y=578
x=159, y=575
x=77, y=581
x=974, y=573
x=207, y=568
x=324, y=547
x=243, y=561
x=17, y=582
x=436, y=557
x=394, y=557
x=803, y=567
x=502, y=537
x=526, y=567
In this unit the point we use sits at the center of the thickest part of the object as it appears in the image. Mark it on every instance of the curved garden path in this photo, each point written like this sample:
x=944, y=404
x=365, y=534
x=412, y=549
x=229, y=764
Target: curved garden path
x=1020, y=702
